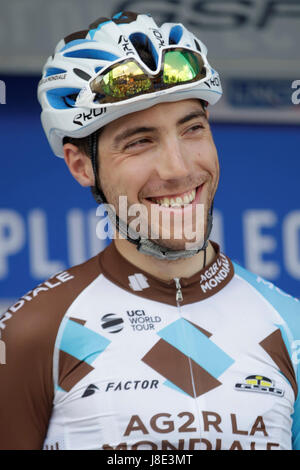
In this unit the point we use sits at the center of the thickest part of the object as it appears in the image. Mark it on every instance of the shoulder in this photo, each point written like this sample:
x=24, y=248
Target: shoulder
x=43, y=307
x=28, y=331
x=287, y=306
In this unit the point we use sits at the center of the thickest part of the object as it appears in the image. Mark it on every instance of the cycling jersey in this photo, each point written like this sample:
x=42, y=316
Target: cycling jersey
x=106, y=356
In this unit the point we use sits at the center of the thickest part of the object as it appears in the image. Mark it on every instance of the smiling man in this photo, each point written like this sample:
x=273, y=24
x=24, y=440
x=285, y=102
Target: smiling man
x=159, y=342
x=167, y=168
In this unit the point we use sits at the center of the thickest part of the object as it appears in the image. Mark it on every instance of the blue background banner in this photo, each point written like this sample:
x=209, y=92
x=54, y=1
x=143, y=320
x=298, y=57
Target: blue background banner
x=48, y=222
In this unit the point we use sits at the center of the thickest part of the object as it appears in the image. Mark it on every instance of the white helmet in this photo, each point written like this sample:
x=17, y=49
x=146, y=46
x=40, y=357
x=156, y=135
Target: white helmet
x=79, y=57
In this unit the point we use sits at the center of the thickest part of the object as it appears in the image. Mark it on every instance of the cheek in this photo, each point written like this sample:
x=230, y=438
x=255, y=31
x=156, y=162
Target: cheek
x=137, y=174
x=125, y=178
x=207, y=157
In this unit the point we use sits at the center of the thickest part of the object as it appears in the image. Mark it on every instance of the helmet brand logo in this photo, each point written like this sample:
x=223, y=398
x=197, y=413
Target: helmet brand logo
x=125, y=44
x=87, y=116
x=159, y=37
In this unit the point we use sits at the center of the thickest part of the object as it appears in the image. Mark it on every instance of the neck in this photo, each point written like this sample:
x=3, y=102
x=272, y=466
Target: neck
x=164, y=269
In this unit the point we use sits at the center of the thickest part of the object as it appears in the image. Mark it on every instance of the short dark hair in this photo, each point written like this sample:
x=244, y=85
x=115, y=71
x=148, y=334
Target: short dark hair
x=82, y=143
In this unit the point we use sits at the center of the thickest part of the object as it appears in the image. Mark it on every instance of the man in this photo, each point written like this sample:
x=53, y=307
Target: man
x=160, y=342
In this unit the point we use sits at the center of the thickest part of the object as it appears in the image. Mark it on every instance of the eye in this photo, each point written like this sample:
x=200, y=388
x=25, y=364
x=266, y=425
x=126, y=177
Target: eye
x=137, y=143
x=195, y=128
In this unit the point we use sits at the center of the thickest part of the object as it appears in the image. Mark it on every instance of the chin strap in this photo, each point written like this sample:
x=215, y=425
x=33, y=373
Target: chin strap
x=143, y=245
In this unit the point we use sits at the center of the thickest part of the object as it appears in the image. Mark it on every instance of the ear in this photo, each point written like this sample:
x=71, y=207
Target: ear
x=79, y=164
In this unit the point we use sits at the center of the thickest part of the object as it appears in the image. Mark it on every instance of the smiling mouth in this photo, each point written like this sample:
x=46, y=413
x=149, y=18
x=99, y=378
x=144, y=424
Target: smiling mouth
x=176, y=201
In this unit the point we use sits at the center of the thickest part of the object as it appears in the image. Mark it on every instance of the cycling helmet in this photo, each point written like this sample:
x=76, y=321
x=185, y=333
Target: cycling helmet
x=81, y=55
x=78, y=60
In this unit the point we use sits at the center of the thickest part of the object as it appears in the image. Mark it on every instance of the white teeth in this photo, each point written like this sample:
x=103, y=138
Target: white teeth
x=165, y=202
x=192, y=195
x=178, y=201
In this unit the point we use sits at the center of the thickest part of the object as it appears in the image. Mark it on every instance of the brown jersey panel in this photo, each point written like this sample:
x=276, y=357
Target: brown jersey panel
x=71, y=370
x=275, y=347
x=177, y=367
x=29, y=330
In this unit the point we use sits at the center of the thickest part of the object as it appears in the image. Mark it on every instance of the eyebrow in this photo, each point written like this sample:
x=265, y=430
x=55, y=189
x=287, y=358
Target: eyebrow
x=192, y=115
x=142, y=129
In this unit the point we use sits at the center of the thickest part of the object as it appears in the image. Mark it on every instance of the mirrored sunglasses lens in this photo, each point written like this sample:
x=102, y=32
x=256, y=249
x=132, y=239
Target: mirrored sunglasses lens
x=182, y=66
x=122, y=81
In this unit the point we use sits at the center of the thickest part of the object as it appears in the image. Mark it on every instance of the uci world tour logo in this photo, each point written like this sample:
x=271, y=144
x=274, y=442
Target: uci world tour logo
x=112, y=323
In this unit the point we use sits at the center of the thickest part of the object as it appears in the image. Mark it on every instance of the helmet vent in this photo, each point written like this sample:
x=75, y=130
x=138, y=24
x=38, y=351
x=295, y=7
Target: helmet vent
x=145, y=49
x=54, y=71
x=82, y=74
x=62, y=98
x=175, y=34
x=91, y=54
x=197, y=45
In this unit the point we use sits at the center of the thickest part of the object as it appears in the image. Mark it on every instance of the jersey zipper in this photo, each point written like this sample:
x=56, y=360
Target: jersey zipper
x=179, y=299
x=179, y=296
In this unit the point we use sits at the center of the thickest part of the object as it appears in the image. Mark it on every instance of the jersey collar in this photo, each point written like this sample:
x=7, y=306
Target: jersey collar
x=200, y=286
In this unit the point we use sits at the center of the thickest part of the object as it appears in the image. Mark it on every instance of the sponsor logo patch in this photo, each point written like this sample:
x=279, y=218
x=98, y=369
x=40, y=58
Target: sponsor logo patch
x=138, y=282
x=259, y=383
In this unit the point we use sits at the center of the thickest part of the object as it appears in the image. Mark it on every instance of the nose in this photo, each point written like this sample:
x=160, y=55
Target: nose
x=172, y=160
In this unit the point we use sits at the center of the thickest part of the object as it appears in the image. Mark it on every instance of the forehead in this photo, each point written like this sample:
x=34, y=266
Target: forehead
x=160, y=115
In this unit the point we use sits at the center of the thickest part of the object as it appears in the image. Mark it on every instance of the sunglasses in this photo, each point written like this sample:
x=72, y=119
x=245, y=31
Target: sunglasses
x=129, y=79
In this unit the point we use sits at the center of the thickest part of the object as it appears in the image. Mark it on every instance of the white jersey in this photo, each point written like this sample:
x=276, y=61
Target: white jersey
x=114, y=358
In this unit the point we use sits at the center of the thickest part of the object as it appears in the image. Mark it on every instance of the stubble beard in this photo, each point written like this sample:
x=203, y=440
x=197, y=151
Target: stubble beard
x=170, y=243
